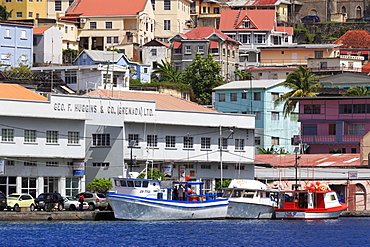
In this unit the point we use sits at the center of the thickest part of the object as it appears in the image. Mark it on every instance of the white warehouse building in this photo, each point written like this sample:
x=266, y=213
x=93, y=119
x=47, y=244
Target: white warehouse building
x=64, y=142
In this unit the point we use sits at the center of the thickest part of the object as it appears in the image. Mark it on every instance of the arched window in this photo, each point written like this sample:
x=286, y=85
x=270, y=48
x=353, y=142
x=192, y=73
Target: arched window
x=344, y=10
x=358, y=12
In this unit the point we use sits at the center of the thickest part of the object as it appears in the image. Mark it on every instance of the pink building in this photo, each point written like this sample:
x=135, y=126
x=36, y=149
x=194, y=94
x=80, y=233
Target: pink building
x=333, y=124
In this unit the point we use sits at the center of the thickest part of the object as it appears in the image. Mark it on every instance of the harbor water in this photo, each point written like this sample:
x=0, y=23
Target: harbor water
x=345, y=231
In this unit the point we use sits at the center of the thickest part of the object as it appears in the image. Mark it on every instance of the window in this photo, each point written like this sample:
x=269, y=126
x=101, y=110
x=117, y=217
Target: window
x=221, y=97
x=108, y=25
x=133, y=137
x=201, y=49
x=7, y=135
x=109, y=40
x=319, y=54
x=7, y=34
x=30, y=136
x=246, y=23
x=101, y=140
x=152, y=140
x=93, y=25
x=167, y=25
x=154, y=52
x=178, y=51
x=73, y=137
x=30, y=14
x=205, y=143
x=233, y=97
x=257, y=96
x=224, y=143
x=260, y=38
x=188, y=142
x=188, y=49
x=66, y=29
x=72, y=186
x=100, y=164
x=8, y=1
x=205, y=166
x=19, y=15
x=70, y=77
x=167, y=4
x=244, y=95
x=115, y=40
x=274, y=115
x=170, y=141
x=29, y=163
x=239, y=167
x=275, y=141
x=51, y=136
x=332, y=129
x=214, y=50
x=257, y=115
x=216, y=10
x=356, y=129
x=58, y=6
x=312, y=109
x=245, y=38
x=274, y=96
x=204, y=9
x=153, y=4
x=239, y=144
x=257, y=140
x=52, y=163
x=29, y=186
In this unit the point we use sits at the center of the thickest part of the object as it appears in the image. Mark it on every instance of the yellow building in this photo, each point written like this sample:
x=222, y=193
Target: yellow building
x=26, y=9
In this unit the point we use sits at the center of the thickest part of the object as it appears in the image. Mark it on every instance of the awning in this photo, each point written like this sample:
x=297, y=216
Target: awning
x=177, y=45
x=214, y=44
x=364, y=52
x=343, y=52
x=354, y=53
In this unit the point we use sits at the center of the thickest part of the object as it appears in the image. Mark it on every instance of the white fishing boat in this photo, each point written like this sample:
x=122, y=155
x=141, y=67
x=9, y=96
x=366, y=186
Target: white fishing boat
x=146, y=199
x=249, y=199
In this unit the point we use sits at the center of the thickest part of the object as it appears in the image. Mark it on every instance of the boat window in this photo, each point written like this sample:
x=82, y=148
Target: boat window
x=237, y=193
x=137, y=183
x=227, y=194
x=248, y=194
x=123, y=183
x=130, y=183
x=332, y=198
x=117, y=183
x=145, y=184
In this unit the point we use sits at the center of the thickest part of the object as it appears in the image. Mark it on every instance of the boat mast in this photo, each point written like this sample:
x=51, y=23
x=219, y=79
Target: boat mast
x=296, y=167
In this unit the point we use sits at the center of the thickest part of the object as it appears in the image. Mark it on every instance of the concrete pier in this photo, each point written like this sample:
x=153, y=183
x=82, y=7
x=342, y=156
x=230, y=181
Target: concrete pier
x=355, y=214
x=61, y=215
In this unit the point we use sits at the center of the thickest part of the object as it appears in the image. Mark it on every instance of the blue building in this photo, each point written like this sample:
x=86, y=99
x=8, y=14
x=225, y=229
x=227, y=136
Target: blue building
x=257, y=97
x=92, y=57
x=16, y=43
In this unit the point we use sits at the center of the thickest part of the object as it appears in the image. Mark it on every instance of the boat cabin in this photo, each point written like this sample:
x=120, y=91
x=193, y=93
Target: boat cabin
x=306, y=199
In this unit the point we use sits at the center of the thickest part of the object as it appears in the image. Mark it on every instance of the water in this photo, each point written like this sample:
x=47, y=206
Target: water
x=344, y=231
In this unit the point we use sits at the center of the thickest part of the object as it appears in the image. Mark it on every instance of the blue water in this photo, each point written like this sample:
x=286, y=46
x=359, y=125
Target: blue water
x=340, y=232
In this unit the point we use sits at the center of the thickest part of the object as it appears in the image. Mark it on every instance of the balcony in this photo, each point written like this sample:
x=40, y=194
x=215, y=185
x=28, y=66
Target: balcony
x=325, y=139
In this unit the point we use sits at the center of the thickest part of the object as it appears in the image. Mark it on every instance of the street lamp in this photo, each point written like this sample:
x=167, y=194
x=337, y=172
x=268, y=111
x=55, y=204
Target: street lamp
x=131, y=145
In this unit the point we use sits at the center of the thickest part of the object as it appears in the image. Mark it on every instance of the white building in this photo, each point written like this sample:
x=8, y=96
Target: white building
x=47, y=45
x=65, y=142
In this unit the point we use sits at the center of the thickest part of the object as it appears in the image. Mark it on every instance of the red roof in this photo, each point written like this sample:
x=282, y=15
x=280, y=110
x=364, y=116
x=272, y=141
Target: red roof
x=106, y=7
x=354, y=39
x=163, y=101
x=366, y=68
x=205, y=32
x=260, y=19
x=309, y=160
x=14, y=91
x=39, y=30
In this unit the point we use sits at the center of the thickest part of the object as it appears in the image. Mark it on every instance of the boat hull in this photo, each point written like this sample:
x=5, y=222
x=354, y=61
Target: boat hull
x=330, y=213
x=244, y=210
x=128, y=207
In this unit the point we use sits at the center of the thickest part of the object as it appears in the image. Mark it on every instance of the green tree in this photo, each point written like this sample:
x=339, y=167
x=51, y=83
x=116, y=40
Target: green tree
x=168, y=72
x=302, y=84
x=153, y=174
x=225, y=184
x=357, y=91
x=241, y=75
x=271, y=150
x=203, y=75
x=100, y=185
x=4, y=14
x=69, y=55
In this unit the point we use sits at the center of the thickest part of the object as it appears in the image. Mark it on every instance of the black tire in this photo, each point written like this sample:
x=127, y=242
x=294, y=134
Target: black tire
x=92, y=207
x=32, y=207
x=72, y=207
x=60, y=207
x=17, y=208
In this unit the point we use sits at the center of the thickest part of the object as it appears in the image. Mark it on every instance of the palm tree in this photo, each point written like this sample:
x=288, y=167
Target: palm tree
x=4, y=15
x=357, y=91
x=168, y=72
x=302, y=83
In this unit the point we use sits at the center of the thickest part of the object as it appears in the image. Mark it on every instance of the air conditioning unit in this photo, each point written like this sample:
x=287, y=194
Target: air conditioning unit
x=83, y=20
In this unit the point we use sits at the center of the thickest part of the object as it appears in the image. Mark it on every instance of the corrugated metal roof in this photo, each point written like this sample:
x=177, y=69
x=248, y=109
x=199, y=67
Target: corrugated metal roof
x=14, y=91
x=103, y=56
x=309, y=160
x=163, y=101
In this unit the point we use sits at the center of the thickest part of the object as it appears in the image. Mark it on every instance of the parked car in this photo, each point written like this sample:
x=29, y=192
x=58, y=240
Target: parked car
x=15, y=201
x=3, y=203
x=366, y=18
x=44, y=199
x=95, y=200
x=310, y=18
x=71, y=203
